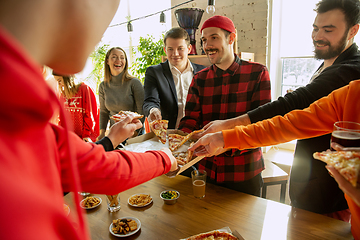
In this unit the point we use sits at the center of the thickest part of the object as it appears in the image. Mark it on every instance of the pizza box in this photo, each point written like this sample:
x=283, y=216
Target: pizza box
x=224, y=229
x=149, y=141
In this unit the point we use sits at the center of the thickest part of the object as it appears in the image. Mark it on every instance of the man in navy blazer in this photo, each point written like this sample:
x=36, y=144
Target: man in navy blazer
x=166, y=84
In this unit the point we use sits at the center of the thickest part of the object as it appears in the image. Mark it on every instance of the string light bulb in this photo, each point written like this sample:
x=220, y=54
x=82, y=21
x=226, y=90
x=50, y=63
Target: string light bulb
x=129, y=27
x=162, y=17
x=211, y=7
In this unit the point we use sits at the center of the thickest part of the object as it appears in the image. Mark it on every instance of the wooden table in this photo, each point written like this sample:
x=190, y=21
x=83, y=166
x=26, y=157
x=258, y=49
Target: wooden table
x=253, y=217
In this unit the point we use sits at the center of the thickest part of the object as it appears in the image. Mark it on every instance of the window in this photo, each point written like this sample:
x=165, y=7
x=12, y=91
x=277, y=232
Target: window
x=119, y=36
x=297, y=72
x=290, y=44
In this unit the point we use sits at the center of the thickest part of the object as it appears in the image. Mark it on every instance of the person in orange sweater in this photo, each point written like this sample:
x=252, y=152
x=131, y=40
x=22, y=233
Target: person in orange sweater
x=318, y=119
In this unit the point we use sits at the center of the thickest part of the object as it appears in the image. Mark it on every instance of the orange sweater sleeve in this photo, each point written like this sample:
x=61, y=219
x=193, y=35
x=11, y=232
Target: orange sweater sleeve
x=316, y=120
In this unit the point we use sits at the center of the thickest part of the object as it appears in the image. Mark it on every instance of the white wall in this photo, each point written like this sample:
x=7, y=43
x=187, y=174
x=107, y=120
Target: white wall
x=250, y=19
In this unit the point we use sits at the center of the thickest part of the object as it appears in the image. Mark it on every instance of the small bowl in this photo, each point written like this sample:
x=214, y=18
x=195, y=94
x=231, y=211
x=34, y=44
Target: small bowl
x=170, y=201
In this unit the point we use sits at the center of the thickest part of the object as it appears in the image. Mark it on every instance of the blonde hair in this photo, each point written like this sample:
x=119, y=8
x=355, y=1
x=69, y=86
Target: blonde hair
x=69, y=89
x=107, y=72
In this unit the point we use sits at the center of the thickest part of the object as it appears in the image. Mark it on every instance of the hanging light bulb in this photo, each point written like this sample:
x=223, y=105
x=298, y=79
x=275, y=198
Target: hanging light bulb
x=162, y=17
x=211, y=7
x=129, y=27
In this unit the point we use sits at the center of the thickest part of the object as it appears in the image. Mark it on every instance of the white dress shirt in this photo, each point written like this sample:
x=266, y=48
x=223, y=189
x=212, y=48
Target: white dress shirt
x=182, y=82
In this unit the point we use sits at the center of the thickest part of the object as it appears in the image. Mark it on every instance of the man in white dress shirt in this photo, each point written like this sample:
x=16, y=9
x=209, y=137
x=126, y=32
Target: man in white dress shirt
x=166, y=84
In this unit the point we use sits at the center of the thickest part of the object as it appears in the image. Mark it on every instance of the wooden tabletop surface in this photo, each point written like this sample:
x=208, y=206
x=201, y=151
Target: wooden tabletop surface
x=253, y=217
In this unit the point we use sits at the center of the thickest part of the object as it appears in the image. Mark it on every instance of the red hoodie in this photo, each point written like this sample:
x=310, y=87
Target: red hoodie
x=39, y=160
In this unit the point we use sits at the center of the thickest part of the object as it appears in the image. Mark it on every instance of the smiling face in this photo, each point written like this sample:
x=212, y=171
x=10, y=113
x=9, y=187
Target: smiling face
x=116, y=61
x=177, y=52
x=330, y=34
x=218, y=47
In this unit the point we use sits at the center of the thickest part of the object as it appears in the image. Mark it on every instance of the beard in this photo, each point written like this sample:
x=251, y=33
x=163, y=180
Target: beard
x=333, y=51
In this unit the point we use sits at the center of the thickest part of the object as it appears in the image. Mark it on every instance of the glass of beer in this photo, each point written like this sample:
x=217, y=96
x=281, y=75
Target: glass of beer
x=346, y=133
x=199, y=181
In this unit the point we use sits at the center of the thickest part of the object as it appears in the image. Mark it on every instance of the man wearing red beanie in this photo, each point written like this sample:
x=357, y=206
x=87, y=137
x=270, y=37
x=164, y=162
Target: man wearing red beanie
x=228, y=88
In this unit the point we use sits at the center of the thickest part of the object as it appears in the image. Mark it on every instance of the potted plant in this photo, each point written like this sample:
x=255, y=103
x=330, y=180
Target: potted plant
x=151, y=53
x=98, y=58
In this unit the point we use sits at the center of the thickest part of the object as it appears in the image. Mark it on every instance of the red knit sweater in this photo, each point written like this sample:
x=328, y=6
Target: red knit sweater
x=38, y=160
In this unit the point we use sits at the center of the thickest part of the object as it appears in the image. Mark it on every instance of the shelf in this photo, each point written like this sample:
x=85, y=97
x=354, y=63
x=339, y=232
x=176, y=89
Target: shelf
x=203, y=59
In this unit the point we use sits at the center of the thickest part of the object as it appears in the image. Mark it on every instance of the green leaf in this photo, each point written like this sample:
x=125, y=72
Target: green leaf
x=151, y=51
x=98, y=59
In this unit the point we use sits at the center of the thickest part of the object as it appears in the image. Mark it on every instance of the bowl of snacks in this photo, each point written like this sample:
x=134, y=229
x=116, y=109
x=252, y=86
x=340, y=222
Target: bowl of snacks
x=90, y=202
x=124, y=227
x=140, y=200
x=170, y=196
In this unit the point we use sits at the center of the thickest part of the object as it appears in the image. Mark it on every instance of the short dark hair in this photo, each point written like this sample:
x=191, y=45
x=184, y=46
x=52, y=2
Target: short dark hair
x=177, y=33
x=350, y=8
x=227, y=33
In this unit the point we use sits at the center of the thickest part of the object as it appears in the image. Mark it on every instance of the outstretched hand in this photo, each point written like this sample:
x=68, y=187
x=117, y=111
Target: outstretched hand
x=174, y=165
x=338, y=147
x=123, y=129
x=219, y=125
x=212, y=127
x=209, y=145
x=155, y=114
x=345, y=186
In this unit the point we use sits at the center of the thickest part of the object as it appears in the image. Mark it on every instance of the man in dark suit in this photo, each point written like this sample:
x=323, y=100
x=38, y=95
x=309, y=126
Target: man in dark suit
x=166, y=84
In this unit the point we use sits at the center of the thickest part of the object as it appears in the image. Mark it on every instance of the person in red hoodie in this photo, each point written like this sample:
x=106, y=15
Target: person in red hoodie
x=39, y=160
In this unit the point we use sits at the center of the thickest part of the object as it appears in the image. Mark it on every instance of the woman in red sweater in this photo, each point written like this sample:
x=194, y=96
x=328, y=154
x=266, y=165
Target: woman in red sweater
x=80, y=102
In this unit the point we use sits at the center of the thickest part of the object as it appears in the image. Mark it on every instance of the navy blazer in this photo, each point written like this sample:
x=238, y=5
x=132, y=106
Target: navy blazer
x=160, y=91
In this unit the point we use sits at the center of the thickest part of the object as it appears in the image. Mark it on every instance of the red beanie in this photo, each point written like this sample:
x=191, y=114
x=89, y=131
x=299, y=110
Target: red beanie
x=219, y=22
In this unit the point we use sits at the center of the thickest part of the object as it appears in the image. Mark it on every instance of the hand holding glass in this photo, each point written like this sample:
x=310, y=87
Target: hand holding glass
x=346, y=133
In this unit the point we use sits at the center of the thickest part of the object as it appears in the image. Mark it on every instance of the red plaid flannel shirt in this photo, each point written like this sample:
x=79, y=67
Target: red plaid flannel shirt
x=216, y=94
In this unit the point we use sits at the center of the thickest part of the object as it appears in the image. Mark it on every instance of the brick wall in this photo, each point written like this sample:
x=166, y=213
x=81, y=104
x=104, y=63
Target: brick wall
x=250, y=19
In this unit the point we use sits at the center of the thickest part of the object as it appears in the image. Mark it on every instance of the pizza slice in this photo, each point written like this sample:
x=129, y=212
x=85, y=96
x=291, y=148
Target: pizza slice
x=183, y=157
x=123, y=114
x=346, y=162
x=213, y=235
x=188, y=137
x=175, y=140
x=159, y=127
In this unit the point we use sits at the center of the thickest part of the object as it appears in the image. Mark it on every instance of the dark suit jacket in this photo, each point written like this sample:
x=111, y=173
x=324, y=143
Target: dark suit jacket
x=160, y=91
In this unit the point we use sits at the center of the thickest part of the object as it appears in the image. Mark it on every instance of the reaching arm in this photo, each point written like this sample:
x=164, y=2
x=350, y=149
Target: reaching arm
x=330, y=79
x=151, y=93
x=314, y=121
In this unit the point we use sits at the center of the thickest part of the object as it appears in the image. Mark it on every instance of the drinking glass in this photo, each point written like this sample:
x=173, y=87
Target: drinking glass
x=199, y=181
x=113, y=202
x=84, y=194
x=346, y=133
